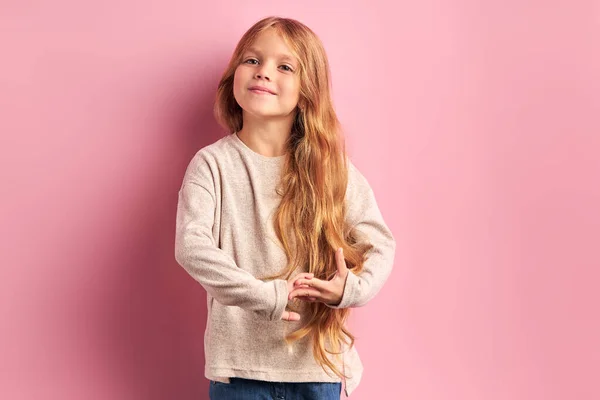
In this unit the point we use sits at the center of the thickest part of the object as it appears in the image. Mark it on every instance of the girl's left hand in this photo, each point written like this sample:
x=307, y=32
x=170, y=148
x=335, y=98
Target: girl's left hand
x=328, y=292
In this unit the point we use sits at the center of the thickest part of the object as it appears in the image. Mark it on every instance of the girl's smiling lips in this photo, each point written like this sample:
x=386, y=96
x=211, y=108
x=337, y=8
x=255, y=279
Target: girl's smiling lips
x=260, y=90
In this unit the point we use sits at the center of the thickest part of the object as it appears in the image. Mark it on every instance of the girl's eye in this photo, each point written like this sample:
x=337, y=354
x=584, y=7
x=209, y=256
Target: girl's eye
x=252, y=60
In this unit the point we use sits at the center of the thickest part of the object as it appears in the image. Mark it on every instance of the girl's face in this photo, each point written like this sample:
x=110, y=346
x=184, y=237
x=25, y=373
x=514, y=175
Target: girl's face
x=269, y=64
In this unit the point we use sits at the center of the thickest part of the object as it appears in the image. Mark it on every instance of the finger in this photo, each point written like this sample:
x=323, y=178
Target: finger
x=301, y=286
x=341, y=261
x=304, y=275
x=290, y=316
x=304, y=292
x=314, y=282
x=308, y=299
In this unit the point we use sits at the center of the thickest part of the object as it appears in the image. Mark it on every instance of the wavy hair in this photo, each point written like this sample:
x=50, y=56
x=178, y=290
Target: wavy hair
x=310, y=220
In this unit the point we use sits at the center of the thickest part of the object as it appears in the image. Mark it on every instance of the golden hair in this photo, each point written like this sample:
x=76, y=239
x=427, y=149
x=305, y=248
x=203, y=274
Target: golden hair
x=310, y=219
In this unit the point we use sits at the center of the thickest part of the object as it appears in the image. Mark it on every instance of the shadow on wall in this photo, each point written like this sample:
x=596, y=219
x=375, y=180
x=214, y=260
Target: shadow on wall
x=155, y=332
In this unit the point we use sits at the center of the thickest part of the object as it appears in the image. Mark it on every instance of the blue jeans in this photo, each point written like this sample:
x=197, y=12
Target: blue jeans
x=250, y=389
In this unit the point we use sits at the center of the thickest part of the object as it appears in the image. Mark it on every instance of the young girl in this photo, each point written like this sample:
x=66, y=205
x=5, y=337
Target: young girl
x=279, y=227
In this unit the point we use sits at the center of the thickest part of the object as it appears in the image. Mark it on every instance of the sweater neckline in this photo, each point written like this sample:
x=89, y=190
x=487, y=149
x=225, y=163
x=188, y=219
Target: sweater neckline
x=240, y=144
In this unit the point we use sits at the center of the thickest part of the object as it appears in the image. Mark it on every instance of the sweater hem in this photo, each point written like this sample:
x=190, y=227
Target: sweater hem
x=293, y=375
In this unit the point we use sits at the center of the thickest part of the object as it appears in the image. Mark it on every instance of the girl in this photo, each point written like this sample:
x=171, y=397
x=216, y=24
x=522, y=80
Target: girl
x=279, y=227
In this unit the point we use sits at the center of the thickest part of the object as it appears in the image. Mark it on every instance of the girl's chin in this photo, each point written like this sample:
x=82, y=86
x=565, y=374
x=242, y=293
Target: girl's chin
x=261, y=112
x=265, y=116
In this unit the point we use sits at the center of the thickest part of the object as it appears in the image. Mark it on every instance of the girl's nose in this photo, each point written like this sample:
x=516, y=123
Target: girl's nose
x=263, y=72
x=261, y=75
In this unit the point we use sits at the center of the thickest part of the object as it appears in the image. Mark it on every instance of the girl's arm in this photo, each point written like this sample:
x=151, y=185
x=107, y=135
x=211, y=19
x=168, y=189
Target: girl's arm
x=197, y=252
x=366, y=217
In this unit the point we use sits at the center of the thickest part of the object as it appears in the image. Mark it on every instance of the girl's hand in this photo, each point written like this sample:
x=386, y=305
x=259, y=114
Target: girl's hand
x=290, y=315
x=328, y=292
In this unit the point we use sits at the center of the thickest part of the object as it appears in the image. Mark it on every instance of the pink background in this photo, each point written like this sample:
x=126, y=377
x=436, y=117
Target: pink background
x=476, y=123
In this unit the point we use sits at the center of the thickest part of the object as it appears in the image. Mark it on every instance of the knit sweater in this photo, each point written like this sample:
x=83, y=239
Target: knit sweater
x=226, y=241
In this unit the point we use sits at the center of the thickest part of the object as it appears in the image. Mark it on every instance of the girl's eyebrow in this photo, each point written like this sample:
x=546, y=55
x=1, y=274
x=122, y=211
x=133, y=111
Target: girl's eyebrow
x=281, y=56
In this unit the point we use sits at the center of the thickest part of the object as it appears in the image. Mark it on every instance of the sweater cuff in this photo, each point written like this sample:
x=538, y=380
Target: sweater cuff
x=281, y=299
x=350, y=292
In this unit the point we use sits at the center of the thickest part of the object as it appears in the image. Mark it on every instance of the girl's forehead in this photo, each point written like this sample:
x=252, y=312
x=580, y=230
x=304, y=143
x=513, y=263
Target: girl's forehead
x=271, y=43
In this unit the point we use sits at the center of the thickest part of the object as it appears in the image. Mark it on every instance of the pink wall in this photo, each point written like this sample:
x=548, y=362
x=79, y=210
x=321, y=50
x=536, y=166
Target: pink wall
x=477, y=125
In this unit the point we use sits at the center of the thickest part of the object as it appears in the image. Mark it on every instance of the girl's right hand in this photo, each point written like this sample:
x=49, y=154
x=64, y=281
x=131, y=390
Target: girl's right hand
x=290, y=315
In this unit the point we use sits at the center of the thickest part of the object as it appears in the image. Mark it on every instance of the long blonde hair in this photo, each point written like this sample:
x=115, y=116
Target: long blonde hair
x=310, y=220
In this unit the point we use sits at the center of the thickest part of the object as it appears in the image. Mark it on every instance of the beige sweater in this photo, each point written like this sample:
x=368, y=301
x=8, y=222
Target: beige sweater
x=225, y=240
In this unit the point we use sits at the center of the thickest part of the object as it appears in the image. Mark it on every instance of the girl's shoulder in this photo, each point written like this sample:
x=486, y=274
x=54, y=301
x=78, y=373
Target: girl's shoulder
x=208, y=160
x=360, y=197
x=216, y=150
x=357, y=182
x=219, y=153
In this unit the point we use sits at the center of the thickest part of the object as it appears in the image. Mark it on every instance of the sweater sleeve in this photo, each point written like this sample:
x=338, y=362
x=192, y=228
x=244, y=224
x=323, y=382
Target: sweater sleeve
x=365, y=216
x=197, y=252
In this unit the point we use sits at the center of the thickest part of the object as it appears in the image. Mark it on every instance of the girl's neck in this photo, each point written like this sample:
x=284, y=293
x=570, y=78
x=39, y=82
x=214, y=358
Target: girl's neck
x=268, y=139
